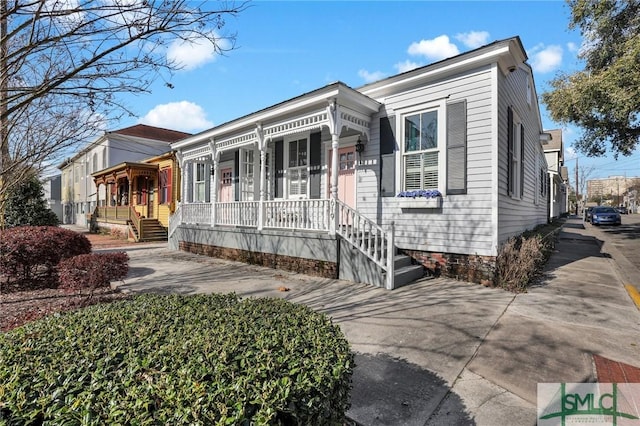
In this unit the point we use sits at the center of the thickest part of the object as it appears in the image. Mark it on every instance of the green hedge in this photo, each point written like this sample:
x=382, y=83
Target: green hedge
x=205, y=359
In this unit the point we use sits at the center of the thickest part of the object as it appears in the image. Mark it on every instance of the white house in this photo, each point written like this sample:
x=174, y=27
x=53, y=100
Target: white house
x=51, y=185
x=267, y=188
x=135, y=143
x=558, y=175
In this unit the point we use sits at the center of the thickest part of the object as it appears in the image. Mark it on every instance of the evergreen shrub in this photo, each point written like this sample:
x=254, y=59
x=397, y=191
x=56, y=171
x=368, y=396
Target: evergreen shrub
x=92, y=271
x=202, y=359
x=32, y=252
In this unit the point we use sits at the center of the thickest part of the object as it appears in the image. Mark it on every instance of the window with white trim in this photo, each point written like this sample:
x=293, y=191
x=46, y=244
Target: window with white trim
x=248, y=176
x=199, y=183
x=420, y=155
x=298, y=170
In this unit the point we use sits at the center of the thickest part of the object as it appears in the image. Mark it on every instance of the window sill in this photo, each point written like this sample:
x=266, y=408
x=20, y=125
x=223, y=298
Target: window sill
x=419, y=203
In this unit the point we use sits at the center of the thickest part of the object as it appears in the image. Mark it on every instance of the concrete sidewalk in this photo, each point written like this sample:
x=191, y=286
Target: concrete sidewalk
x=441, y=351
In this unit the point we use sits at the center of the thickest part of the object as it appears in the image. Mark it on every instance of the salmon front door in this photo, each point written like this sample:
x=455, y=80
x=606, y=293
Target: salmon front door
x=226, y=185
x=346, y=175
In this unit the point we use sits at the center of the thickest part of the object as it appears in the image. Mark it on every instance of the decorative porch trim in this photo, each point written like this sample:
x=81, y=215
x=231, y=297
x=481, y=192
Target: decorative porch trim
x=297, y=125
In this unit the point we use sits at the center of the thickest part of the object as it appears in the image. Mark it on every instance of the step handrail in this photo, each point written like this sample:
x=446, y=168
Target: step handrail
x=369, y=238
x=175, y=219
x=135, y=221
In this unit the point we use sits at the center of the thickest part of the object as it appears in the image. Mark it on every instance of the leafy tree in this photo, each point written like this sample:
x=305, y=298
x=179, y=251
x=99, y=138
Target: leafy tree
x=604, y=98
x=26, y=205
x=65, y=64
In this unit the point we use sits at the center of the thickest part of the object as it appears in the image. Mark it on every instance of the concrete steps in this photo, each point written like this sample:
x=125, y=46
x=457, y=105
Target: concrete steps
x=404, y=271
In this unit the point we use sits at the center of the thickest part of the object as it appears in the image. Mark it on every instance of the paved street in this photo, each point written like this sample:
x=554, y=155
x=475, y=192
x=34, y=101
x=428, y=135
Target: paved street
x=441, y=351
x=624, y=238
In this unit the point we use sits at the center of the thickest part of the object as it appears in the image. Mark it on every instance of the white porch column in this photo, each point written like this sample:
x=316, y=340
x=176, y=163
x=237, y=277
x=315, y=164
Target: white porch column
x=334, y=121
x=262, y=146
x=213, y=186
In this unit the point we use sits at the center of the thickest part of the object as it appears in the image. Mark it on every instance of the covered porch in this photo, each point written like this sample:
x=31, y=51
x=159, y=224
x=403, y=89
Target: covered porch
x=126, y=195
x=273, y=171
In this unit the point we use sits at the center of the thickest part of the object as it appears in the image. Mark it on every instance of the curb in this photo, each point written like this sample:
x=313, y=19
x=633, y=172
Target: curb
x=634, y=294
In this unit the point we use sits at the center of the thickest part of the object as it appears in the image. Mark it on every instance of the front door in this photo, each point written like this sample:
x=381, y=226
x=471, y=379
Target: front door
x=150, y=198
x=346, y=175
x=226, y=185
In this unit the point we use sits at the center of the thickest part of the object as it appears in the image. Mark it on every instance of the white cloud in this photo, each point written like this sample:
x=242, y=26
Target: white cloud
x=193, y=53
x=435, y=49
x=370, y=77
x=183, y=115
x=473, y=39
x=546, y=59
x=572, y=47
x=406, y=66
x=570, y=153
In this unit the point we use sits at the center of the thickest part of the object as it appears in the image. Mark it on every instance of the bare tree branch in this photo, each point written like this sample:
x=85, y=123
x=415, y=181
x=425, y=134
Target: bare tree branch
x=65, y=64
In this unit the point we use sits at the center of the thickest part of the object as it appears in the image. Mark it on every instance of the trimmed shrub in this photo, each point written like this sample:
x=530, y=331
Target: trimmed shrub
x=93, y=270
x=203, y=359
x=28, y=252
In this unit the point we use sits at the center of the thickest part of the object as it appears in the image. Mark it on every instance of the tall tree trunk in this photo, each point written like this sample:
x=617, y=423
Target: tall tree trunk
x=4, y=127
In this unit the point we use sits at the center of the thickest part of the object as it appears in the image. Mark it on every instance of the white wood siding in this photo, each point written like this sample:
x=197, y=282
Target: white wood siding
x=464, y=224
x=518, y=215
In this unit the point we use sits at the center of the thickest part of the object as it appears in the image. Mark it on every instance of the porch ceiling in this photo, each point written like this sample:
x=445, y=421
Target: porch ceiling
x=303, y=113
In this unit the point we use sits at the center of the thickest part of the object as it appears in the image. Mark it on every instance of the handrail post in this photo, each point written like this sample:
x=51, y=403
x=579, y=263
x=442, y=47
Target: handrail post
x=391, y=249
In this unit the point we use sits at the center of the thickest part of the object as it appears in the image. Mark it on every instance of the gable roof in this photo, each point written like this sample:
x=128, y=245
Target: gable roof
x=151, y=132
x=507, y=53
x=555, y=143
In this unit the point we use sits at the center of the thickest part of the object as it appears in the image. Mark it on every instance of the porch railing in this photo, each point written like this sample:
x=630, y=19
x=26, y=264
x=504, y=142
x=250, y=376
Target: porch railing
x=364, y=234
x=239, y=213
x=135, y=221
x=113, y=212
x=196, y=213
x=175, y=220
x=369, y=238
x=297, y=214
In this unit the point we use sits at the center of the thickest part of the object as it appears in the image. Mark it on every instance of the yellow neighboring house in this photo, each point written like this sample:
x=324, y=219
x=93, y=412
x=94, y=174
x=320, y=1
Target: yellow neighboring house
x=137, y=198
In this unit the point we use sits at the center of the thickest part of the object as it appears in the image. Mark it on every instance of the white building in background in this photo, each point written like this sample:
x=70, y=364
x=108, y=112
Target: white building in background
x=558, y=175
x=135, y=143
x=53, y=193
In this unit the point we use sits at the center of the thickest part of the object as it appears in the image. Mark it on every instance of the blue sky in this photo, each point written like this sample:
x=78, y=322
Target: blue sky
x=287, y=48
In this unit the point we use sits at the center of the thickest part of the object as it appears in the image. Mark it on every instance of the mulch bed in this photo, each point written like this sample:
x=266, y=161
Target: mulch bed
x=21, y=305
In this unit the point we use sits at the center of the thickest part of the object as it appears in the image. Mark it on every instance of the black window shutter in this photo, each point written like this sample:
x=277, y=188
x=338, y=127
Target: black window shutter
x=207, y=182
x=509, y=150
x=278, y=188
x=457, y=148
x=236, y=174
x=190, y=181
x=387, y=156
x=315, y=168
x=521, y=160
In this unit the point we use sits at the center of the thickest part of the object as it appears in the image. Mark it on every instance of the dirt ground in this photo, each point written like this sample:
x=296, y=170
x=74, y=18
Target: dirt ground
x=19, y=307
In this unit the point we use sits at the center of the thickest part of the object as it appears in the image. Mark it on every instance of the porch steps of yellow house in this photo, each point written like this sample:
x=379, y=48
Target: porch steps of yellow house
x=147, y=230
